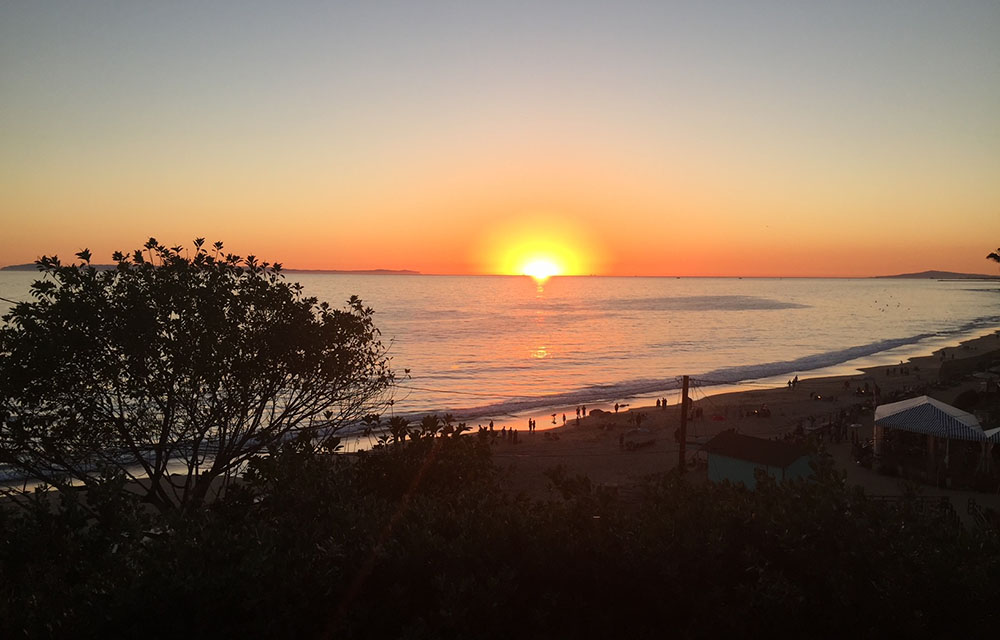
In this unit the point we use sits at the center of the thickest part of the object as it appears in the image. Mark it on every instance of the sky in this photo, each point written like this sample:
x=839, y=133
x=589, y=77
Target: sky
x=849, y=138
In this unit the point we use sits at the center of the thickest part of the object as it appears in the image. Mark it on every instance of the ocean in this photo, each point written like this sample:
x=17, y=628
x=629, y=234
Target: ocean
x=502, y=347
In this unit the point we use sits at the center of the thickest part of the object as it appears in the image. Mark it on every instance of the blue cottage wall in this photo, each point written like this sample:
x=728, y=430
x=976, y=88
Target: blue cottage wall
x=722, y=468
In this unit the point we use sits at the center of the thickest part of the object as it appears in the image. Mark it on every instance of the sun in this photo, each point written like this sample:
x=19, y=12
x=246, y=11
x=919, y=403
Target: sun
x=541, y=269
x=540, y=246
x=540, y=258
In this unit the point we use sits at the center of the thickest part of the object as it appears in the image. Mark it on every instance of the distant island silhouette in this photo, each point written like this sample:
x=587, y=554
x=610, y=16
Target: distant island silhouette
x=360, y=272
x=943, y=275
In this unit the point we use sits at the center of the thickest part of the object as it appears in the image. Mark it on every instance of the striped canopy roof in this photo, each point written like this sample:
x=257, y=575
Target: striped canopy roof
x=935, y=418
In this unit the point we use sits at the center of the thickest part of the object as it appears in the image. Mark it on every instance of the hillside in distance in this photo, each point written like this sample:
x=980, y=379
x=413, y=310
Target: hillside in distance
x=943, y=275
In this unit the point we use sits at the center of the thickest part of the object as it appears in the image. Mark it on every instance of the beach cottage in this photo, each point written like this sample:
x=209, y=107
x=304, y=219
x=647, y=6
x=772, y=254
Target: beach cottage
x=736, y=457
x=947, y=431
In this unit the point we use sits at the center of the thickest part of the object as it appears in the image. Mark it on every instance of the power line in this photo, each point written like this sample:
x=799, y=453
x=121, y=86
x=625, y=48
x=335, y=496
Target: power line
x=739, y=383
x=470, y=393
x=698, y=381
x=501, y=395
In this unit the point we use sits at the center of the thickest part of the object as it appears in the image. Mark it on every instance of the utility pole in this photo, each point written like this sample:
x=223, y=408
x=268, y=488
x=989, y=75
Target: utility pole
x=681, y=456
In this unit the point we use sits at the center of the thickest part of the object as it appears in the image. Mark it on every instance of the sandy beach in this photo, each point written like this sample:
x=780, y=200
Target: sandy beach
x=591, y=445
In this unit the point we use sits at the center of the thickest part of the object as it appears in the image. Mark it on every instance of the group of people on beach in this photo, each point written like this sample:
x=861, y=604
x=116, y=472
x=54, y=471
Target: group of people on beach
x=763, y=411
x=900, y=371
x=581, y=411
x=504, y=434
x=866, y=390
x=836, y=430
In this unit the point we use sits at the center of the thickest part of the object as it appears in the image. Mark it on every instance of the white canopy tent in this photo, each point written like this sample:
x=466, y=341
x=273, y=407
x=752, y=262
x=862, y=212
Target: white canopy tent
x=933, y=418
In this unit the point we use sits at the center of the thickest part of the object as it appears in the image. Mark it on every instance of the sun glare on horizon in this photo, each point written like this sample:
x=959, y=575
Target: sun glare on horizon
x=541, y=269
x=540, y=247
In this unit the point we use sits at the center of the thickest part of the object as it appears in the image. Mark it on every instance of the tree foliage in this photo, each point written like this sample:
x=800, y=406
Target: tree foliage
x=176, y=363
x=995, y=256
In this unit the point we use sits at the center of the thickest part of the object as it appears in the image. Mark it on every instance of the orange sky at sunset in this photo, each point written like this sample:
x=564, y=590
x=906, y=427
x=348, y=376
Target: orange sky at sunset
x=625, y=140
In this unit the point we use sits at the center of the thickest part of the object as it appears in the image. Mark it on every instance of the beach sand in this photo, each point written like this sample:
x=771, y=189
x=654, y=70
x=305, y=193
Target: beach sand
x=591, y=446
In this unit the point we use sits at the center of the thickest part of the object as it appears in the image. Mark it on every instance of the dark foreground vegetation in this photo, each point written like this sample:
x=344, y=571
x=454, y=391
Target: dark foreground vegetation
x=420, y=540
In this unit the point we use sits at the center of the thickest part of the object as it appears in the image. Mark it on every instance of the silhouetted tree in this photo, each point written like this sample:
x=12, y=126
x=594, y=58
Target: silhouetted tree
x=429, y=426
x=995, y=257
x=398, y=428
x=176, y=364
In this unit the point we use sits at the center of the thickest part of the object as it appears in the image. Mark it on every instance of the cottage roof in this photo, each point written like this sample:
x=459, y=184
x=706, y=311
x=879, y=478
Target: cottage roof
x=757, y=450
x=933, y=417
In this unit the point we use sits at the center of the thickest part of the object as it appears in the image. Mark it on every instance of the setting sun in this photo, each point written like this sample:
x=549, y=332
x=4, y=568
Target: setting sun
x=540, y=246
x=540, y=258
x=541, y=269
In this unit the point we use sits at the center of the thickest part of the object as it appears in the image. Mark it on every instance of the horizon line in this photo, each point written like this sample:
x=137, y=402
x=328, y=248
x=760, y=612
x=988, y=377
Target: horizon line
x=926, y=274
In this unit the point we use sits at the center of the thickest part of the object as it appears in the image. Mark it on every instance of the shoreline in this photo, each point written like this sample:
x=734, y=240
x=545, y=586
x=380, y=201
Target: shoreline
x=590, y=446
x=904, y=354
x=604, y=397
x=861, y=366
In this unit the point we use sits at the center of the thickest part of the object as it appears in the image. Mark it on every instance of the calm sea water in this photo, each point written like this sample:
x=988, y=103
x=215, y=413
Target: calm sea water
x=501, y=346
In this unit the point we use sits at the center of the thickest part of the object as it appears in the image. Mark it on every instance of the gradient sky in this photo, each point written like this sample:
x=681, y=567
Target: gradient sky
x=650, y=138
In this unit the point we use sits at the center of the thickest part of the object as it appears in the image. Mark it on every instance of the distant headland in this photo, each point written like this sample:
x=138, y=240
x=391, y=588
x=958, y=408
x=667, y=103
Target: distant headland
x=943, y=275
x=358, y=272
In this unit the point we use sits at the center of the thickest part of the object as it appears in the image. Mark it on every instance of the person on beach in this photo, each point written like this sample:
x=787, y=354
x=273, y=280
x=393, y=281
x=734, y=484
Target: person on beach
x=616, y=407
x=583, y=410
x=553, y=418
